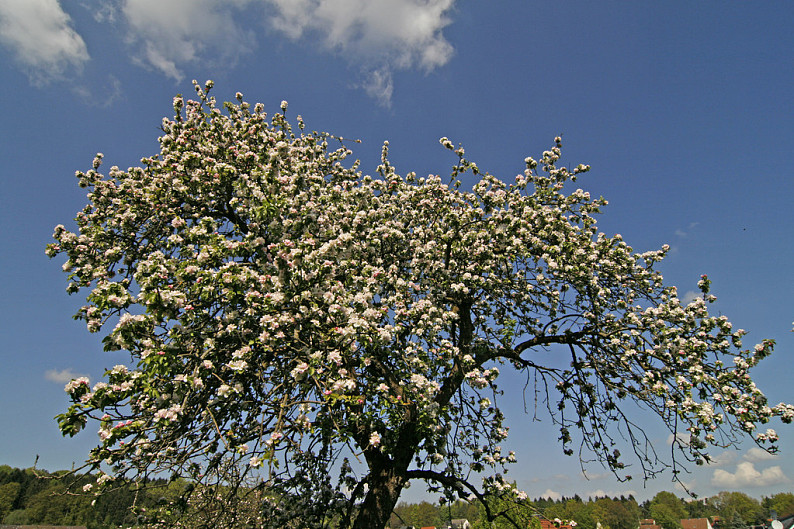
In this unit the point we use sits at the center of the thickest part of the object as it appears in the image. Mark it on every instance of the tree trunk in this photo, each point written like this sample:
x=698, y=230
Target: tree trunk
x=385, y=485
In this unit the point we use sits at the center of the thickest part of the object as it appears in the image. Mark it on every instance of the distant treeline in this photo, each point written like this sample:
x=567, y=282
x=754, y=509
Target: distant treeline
x=729, y=510
x=37, y=497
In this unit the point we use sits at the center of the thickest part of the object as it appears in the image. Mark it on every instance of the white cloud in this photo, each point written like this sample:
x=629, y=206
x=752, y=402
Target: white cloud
x=722, y=459
x=379, y=86
x=102, y=96
x=590, y=476
x=40, y=34
x=682, y=438
x=746, y=475
x=383, y=35
x=551, y=495
x=690, y=296
x=601, y=493
x=756, y=455
x=409, y=31
x=63, y=376
x=106, y=12
x=378, y=36
x=683, y=234
x=169, y=35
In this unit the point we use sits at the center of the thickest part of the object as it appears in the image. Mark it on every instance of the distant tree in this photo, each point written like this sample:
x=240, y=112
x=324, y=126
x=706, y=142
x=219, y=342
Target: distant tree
x=396, y=519
x=55, y=504
x=732, y=520
x=18, y=517
x=9, y=492
x=781, y=503
x=668, y=510
x=459, y=509
x=5, y=474
x=616, y=514
x=700, y=508
x=572, y=509
x=730, y=505
x=113, y=508
x=284, y=312
x=631, y=505
x=422, y=514
x=508, y=514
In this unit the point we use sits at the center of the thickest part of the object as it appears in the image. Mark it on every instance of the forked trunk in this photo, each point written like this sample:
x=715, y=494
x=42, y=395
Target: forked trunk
x=385, y=485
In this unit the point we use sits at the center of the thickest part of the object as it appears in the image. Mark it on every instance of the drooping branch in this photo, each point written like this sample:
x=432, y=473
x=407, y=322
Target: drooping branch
x=461, y=486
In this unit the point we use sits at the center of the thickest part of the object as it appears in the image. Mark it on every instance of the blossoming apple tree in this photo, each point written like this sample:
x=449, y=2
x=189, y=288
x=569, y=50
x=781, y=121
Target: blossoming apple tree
x=336, y=336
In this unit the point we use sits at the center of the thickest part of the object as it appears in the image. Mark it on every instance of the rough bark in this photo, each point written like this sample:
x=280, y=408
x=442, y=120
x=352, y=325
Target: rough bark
x=387, y=477
x=385, y=485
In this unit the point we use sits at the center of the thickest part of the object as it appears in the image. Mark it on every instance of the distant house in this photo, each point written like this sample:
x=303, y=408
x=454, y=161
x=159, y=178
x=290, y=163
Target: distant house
x=696, y=523
x=553, y=524
x=460, y=523
x=648, y=523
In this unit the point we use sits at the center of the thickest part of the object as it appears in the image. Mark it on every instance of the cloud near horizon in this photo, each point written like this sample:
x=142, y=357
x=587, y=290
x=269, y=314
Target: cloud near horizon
x=601, y=493
x=551, y=495
x=746, y=475
x=42, y=38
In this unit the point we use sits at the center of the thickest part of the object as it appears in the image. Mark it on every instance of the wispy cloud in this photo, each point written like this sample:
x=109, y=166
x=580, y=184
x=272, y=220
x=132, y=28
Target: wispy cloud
x=42, y=38
x=106, y=12
x=101, y=96
x=690, y=296
x=62, y=376
x=169, y=35
x=382, y=35
x=555, y=477
x=746, y=475
x=379, y=86
x=681, y=438
x=591, y=476
x=683, y=233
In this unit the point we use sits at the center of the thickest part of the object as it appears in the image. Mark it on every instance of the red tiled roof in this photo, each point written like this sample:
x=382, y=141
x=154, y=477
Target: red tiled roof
x=695, y=523
x=648, y=523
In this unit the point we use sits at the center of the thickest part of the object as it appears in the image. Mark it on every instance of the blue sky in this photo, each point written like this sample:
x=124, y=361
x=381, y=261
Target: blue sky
x=683, y=110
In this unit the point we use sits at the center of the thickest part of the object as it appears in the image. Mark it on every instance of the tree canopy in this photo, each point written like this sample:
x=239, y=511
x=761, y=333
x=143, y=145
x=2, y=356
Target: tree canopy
x=287, y=316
